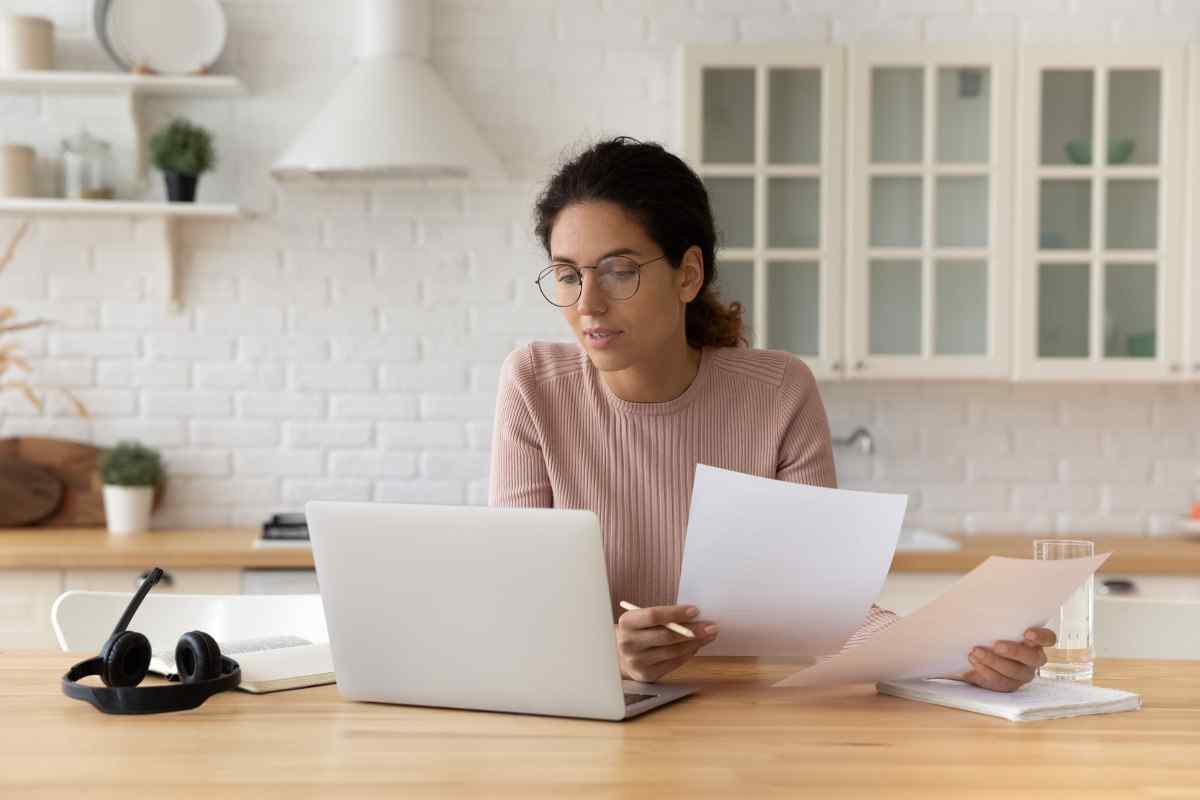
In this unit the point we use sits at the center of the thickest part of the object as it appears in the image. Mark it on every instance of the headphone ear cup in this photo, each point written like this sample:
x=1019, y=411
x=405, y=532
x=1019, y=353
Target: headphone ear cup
x=197, y=657
x=125, y=659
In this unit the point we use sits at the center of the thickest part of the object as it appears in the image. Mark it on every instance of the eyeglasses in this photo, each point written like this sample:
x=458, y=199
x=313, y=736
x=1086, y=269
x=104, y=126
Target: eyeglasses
x=618, y=277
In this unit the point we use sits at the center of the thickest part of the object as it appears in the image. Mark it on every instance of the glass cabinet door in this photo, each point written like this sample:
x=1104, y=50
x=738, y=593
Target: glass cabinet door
x=930, y=187
x=763, y=130
x=1100, y=214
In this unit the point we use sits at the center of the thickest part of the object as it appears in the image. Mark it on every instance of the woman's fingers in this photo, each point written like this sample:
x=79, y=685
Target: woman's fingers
x=657, y=655
x=1028, y=654
x=987, y=678
x=1041, y=637
x=642, y=638
x=983, y=659
x=657, y=615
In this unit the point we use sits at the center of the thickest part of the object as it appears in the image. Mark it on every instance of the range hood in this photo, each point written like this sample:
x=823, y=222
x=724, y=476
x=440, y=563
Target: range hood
x=391, y=117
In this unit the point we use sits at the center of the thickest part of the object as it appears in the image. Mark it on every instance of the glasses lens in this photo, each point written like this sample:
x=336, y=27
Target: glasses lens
x=618, y=277
x=560, y=284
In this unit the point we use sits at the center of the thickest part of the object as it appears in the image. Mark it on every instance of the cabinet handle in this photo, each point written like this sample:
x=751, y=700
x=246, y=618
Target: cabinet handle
x=167, y=578
x=1176, y=367
x=836, y=366
x=860, y=365
x=1118, y=586
x=1196, y=367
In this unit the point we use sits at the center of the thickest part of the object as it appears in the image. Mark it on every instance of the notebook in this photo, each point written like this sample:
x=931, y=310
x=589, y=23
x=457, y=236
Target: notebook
x=269, y=664
x=1039, y=699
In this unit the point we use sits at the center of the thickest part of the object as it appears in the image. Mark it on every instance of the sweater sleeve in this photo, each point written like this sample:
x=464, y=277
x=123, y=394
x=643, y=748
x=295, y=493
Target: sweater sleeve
x=806, y=451
x=517, y=476
x=806, y=456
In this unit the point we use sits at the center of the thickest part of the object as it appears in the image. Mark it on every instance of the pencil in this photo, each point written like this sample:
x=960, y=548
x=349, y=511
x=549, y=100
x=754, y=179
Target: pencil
x=671, y=626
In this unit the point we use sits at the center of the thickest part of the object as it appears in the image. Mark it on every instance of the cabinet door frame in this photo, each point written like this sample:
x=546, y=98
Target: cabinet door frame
x=1170, y=170
x=996, y=363
x=1190, y=318
x=830, y=60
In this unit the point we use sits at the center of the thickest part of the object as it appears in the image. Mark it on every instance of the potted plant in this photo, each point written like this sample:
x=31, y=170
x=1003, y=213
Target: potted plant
x=130, y=472
x=183, y=152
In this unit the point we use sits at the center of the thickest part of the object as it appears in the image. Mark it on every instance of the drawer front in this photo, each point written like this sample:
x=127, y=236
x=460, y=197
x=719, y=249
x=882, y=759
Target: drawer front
x=25, y=600
x=279, y=581
x=181, y=581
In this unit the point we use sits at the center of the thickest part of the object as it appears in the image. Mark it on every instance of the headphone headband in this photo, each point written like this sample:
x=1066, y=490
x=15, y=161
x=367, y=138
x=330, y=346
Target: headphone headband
x=146, y=699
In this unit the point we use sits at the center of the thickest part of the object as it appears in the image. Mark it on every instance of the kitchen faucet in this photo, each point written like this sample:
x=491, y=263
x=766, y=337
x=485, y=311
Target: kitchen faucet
x=861, y=438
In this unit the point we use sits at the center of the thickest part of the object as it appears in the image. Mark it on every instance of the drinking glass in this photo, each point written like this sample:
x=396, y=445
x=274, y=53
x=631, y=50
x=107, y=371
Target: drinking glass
x=1072, y=655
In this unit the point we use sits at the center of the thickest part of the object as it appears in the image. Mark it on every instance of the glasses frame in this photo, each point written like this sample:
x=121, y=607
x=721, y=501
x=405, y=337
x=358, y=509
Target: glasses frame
x=579, y=270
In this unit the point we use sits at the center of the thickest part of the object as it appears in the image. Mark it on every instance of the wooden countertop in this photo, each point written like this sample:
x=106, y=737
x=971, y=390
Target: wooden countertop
x=1147, y=555
x=76, y=548
x=736, y=738
x=95, y=548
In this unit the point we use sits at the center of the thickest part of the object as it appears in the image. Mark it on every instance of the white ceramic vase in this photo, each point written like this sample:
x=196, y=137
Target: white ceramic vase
x=127, y=508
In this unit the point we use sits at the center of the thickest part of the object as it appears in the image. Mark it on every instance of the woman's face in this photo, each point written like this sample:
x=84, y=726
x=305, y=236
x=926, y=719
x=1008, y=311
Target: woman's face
x=617, y=334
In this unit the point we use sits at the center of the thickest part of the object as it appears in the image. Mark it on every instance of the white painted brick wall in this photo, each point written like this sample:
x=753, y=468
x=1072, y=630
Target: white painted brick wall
x=345, y=341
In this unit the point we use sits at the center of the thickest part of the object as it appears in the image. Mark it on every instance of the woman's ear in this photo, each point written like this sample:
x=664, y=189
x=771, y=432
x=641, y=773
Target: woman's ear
x=691, y=272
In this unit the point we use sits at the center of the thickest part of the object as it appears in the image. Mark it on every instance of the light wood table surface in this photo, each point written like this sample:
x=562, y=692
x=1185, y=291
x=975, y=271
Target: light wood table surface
x=737, y=738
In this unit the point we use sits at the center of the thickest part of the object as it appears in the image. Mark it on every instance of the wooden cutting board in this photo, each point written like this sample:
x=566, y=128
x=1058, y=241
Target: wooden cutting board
x=29, y=492
x=76, y=464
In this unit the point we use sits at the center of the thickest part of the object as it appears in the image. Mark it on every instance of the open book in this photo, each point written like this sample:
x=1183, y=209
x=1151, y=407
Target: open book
x=1039, y=699
x=269, y=664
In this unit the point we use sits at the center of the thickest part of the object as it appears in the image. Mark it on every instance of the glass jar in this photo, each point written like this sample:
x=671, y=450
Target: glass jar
x=87, y=168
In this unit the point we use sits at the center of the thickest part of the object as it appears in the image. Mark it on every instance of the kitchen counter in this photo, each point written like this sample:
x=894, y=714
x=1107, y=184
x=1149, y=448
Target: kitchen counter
x=1144, y=555
x=95, y=548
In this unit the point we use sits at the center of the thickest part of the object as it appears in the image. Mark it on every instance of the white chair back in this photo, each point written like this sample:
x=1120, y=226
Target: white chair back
x=1136, y=628
x=83, y=620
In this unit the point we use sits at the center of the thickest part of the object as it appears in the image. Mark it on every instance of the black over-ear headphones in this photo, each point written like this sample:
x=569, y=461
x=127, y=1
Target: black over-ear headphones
x=125, y=659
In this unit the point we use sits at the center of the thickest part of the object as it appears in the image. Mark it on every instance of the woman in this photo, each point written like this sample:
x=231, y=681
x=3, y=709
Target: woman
x=659, y=381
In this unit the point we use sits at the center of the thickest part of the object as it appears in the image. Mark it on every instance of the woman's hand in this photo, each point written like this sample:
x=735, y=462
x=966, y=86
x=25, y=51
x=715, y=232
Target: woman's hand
x=1007, y=666
x=648, y=651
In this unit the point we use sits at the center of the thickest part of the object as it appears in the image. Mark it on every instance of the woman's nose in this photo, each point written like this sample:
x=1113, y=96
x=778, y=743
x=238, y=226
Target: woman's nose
x=592, y=299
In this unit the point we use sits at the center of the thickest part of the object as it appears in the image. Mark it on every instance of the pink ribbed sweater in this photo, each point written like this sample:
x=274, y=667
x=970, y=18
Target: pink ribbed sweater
x=562, y=439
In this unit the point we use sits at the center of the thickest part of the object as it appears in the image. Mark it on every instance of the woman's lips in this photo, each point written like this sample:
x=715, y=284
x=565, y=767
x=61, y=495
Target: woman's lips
x=599, y=340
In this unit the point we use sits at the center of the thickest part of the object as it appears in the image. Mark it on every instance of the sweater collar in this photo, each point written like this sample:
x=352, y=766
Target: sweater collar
x=672, y=406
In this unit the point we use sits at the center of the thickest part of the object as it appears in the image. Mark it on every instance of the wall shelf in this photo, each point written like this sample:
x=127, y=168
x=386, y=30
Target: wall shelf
x=73, y=82
x=129, y=86
x=132, y=88
x=164, y=216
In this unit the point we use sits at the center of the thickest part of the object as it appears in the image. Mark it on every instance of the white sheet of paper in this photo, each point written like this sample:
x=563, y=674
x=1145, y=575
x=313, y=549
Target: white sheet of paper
x=785, y=569
x=999, y=599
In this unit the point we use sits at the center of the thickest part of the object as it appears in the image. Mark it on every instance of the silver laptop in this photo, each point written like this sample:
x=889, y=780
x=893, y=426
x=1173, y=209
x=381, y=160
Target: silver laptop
x=467, y=607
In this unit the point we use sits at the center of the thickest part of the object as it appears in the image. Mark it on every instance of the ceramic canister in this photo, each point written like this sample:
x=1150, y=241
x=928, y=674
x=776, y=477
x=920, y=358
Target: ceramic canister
x=26, y=43
x=16, y=170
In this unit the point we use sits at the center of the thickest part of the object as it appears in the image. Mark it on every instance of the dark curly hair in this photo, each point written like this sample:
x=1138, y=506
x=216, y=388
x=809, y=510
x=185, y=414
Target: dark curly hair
x=670, y=202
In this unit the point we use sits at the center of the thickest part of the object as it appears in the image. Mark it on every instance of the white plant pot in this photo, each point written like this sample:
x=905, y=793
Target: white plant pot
x=127, y=508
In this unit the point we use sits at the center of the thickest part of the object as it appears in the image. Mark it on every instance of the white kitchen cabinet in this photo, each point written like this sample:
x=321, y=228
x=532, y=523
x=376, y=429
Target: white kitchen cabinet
x=1099, y=237
x=929, y=230
x=905, y=592
x=25, y=600
x=1191, y=294
x=26, y=596
x=966, y=229
x=179, y=581
x=763, y=126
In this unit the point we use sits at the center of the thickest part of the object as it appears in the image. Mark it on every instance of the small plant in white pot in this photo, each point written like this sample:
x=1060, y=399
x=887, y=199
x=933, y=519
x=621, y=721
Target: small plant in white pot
x=130, y=472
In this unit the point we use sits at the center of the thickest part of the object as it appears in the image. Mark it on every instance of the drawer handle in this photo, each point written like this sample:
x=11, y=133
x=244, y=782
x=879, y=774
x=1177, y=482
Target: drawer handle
x=167, y=578
x=1118, y=586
